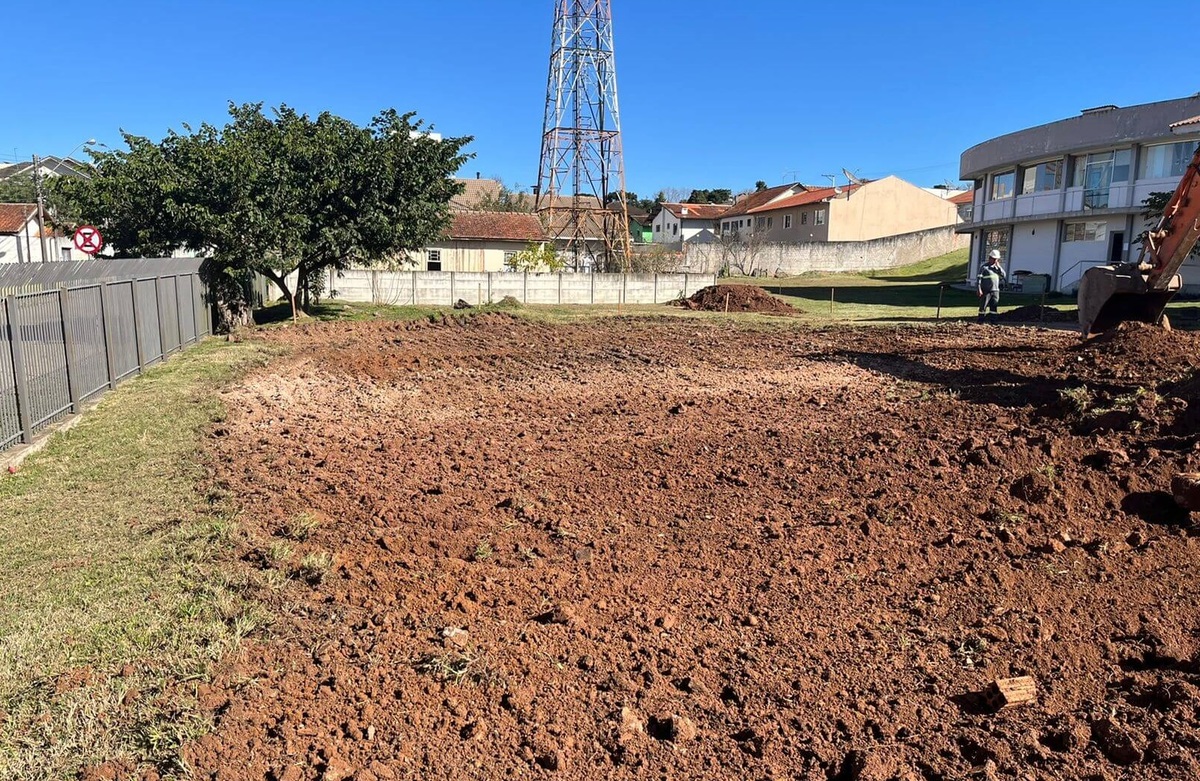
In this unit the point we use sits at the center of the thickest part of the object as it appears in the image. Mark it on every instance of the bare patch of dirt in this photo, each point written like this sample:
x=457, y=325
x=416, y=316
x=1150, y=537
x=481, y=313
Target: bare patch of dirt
x=737, y=298
x=682, y=549
x=1035, y=313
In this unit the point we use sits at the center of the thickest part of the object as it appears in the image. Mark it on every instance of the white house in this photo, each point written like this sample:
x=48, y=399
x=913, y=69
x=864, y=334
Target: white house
x=684, y=222
x=20, y=240
x=1060, y=198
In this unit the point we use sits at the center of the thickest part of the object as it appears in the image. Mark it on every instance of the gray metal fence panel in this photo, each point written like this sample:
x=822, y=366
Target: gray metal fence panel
x=10, y=422
x=69, y=331
x=39, y=325
x=187, y=312
x=84, y=323
x=170, y=317
x=124, y=334
x=149, y=334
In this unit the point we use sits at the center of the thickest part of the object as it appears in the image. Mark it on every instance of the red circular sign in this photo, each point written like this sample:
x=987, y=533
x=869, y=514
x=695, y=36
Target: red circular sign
x=88, y=239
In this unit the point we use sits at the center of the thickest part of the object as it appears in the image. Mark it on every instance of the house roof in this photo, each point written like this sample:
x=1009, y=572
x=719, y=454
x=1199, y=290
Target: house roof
x=756, y=199
x=962, y=199
x=696, y=211
x=475, y=192
x=14, y=216
x=1186, y=122
x=804, y=198
x=496, y=226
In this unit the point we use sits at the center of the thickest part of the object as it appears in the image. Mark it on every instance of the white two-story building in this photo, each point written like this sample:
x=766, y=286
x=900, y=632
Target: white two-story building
x=1060, y=198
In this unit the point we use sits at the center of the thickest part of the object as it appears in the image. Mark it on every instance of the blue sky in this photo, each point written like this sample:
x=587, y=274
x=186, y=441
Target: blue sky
x=713, y=94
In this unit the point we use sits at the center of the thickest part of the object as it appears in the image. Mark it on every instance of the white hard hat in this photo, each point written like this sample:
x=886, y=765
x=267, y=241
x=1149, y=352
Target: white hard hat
x=994, y=254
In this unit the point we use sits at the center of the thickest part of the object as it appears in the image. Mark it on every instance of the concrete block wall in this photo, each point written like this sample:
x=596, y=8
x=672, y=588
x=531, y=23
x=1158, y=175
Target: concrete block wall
x=826, y=256
x=443, y=288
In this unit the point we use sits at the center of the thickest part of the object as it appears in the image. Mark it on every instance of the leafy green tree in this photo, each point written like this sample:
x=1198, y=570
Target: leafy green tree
x=537, y=256
x=19, y=188
x=507, y=199
x=759, y=186
x=273, y=195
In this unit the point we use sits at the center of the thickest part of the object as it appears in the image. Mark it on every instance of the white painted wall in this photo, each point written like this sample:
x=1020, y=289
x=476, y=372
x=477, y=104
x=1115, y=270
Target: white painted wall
x=1032, y=248
x=1078, y=256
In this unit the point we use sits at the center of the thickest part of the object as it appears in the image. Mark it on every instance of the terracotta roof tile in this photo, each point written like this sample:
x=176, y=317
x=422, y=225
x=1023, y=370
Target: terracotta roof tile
x=14, y=216
x=803, y=199
x=1186, y=122
x=697, y=211
x=497, y=226
x=962, y=199
x=475, y=191
x=760, y=198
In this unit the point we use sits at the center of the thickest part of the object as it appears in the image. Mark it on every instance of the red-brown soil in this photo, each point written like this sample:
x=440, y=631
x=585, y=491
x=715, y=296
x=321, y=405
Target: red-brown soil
x=686, y=549
x=1035, y=313
x=737, y=298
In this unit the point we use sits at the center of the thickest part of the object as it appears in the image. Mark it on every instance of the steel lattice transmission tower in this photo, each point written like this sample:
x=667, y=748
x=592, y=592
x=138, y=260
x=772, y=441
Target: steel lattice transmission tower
x=581, y=160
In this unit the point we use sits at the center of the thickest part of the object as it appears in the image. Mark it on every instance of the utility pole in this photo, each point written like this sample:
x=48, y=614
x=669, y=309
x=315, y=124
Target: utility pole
x=41, y=203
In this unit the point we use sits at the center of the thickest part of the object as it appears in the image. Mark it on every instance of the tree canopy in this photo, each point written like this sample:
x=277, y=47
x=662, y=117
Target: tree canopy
x=272, y=194
x=18, y=188
x=711, y=196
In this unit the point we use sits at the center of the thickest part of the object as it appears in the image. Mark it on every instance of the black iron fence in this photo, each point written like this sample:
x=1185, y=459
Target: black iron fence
x=66, y=338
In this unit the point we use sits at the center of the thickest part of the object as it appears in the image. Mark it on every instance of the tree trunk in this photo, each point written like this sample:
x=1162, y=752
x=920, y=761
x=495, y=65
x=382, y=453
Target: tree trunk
x=229, y=298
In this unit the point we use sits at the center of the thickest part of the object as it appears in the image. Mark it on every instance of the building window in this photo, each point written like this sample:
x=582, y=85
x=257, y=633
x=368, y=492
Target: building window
x=1043, y=177
x=770, y=222
x=1164, y=161
x=65, y=252
x=1085, y=231
x=434, y=263
x=508, y=256
x=675, y=228
x=787, y=221
x=1002, y=185
x=658, y=229
x=820, y=216
x=998, y=240
x=803, y=218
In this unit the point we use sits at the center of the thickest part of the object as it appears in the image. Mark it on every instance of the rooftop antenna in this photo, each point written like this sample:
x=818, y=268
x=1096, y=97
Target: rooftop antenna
x=833, y=183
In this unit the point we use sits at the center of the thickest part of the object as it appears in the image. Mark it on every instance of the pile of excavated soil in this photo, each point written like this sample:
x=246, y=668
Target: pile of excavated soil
x=1034, y=313
x=737, y=298
x=683, y=549
x=1141, y=348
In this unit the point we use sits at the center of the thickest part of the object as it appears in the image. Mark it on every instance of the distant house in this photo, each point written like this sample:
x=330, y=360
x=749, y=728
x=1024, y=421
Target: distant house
x=686, y=222
x=480, y=241
x=640, y=230
x=799, y=213
x=965, y=201
x=20, y=241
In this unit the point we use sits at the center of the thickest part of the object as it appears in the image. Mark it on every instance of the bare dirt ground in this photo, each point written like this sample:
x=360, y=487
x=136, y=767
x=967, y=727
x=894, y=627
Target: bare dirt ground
x=688, y=549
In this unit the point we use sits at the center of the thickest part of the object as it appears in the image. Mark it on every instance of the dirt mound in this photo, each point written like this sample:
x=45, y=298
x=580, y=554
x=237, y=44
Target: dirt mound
x=1144, y=349
x=599, y=550
x=737, y=298
x=1035, y=313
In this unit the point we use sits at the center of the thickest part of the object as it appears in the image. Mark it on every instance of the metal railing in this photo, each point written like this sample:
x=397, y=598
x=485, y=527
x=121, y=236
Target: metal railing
x=64, y=346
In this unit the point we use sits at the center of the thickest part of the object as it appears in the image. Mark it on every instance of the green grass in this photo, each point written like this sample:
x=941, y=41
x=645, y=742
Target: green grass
x=906, y=293
x=110, y=576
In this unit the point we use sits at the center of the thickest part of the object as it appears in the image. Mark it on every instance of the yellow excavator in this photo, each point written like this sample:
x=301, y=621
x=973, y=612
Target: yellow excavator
x=1141, y=290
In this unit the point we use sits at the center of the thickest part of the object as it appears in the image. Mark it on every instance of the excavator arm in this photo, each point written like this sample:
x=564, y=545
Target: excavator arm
x=1109, y=295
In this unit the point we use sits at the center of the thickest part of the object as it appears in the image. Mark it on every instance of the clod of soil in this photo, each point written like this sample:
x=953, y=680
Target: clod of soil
x=736, y=298
x=808, y=572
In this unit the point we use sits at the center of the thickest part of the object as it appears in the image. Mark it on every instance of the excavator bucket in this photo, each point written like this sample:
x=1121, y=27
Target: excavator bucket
x=1110, y=295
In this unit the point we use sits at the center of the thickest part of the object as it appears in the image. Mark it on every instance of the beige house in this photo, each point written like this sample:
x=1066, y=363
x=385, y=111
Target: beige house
x=480, y=241
x=793, y=214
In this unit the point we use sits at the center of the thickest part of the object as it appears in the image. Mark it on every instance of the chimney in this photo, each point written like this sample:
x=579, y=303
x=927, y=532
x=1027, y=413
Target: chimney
x=476, y=174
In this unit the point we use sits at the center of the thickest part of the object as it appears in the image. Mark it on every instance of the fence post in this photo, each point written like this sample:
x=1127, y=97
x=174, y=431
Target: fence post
x=137, y=325
x=592, y=274
x=489, y=283
x=452, y=298
x=525, y=287
x=685, y=284
x=162, y=325
x=655, y=299
x=106, y=324
x=18, y=360
x=414, y=287
x=69, y=349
